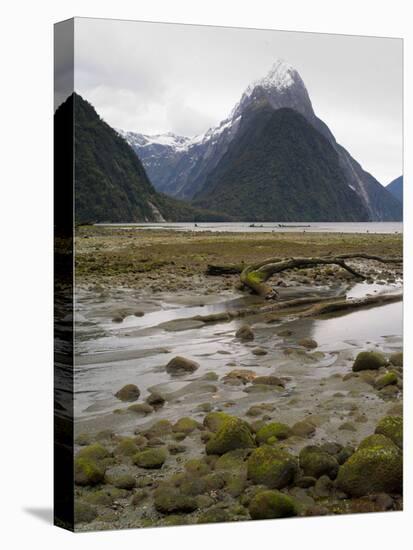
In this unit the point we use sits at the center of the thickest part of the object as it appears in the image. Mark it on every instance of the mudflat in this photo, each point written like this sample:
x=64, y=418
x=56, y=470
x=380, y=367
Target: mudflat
x=188, y=412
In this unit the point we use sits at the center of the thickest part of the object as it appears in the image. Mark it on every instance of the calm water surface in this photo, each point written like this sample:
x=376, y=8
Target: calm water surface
x=268, y=227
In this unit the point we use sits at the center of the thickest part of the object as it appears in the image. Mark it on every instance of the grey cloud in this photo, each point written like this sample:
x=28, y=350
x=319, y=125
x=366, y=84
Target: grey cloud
x=154, y=77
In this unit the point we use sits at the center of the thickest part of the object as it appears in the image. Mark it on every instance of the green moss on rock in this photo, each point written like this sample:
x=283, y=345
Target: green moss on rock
x=185, y=425
x=387, y=379
x=272, y=467
x=315, y=462
x=150, y=458
x=233, y=434
x=214, y=420
x=168, y=500
x=391, y=427
x=88, y=471
x=122, y=481
x=271, y=505
x=84, y=513
x=273, y=429
x=233, y=460
x=372, y=470
x=93, y=452
x=197, y=467
x=215, y=514
x=375, y=440
x=99, y=498
x=369, y=360
x=126, y=447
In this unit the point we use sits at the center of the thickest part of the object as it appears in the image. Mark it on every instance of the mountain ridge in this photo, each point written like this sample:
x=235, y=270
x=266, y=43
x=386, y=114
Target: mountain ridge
x=288, y=153
x=182, y=172
x=110, y=182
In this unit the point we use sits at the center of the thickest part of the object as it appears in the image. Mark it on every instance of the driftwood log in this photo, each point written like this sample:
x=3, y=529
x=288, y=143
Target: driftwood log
x=302, y=307
x=255, y=276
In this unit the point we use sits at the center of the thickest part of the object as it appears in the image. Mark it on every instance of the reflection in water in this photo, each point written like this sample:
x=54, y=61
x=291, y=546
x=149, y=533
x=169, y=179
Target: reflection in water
x=365, y=324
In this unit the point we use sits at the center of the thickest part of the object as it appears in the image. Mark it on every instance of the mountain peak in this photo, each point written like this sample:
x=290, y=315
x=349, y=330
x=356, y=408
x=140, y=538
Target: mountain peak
x=280, y=76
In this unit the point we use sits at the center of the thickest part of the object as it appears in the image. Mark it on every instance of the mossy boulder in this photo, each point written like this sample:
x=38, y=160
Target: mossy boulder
x=168, y=500
x=375, y=440
x=215, y=514
x=122, y=481
x=376, y=469
x=126, y=447
x=233, y=434
x=151, y=458
x=272, y=467
x=179, y=366
x=315, y=462
x=192, y=486
x=99, y=498
x=244, y=333
x=130, y=392
x=96, y=451
x=197, y=467
x=396, y=359
x=273, y=429
x=84, y=513
x=391, y=427
x=185, y=425
x=88, y=471
x=386, y=379
x=271, y=505
x=233, y=460
x=213, y=421
x=369, y=360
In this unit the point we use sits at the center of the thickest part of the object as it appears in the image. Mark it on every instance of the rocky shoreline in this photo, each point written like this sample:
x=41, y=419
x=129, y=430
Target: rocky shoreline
x=278, y=417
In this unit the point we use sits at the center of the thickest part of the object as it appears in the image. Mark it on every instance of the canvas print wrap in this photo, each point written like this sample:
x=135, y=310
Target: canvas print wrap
x=228, y=274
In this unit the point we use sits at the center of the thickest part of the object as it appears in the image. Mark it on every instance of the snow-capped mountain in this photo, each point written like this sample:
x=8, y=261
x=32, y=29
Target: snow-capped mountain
x=179, y=166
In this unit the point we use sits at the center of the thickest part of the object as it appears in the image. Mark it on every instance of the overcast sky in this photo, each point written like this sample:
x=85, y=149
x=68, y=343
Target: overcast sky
x=155, y=78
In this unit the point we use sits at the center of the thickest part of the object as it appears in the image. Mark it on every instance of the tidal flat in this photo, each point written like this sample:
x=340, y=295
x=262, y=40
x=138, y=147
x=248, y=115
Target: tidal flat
x=187, y=413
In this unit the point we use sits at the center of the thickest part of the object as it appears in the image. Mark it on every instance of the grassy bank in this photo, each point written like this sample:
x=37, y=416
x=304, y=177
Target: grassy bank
x=133, y=256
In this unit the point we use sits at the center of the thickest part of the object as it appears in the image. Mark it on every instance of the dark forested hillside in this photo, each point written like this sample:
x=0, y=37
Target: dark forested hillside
x=396, y=188
x=111, y=184
x=280, y=168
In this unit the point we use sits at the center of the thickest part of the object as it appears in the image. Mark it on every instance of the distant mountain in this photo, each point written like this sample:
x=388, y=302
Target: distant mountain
x=279, y=167
x=396, y=188
x=111, y=184
x=180, y=166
